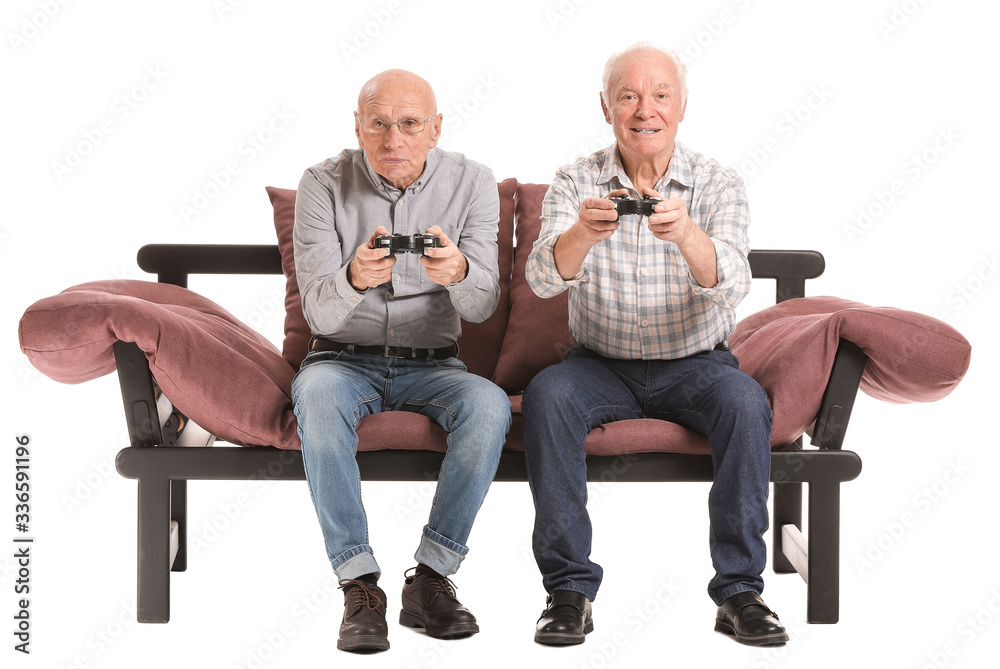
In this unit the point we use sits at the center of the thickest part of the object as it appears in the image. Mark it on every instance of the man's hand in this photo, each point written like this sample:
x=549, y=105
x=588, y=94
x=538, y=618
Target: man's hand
x=371, y=266
x=670, y=220
x=445, y=264
x=598, y=219
x=671, y=223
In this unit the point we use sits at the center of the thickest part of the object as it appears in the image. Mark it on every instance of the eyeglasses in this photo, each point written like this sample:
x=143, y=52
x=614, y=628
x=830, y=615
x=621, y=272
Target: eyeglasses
x=381, y=126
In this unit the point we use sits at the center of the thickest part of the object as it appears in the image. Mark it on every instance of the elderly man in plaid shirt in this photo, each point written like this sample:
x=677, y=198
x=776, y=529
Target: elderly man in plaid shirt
x=651, y=304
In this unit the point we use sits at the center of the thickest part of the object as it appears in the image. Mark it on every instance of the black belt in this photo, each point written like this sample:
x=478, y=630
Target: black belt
x=324, y=344
x=722, y=346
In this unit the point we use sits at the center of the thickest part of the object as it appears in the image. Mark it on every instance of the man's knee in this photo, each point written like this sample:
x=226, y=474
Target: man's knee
x=552, y=386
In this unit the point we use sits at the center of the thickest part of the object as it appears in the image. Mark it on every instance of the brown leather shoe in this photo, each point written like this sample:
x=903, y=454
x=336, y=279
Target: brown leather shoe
x=746, y=618
x=363, y=629
x=566, y=620
x=429, y=601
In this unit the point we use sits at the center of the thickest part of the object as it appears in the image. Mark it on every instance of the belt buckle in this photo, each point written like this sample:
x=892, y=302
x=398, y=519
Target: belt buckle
x=388, y=354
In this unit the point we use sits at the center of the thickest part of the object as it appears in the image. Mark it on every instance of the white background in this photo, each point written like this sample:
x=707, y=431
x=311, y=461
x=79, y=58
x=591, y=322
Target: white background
x=824, y=107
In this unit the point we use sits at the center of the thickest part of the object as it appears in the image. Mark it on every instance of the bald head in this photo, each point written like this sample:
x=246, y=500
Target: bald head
x=397, y=88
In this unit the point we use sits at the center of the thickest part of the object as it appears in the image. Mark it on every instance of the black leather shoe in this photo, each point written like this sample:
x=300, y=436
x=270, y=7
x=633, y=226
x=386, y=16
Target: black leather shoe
x=566, y=620
x=429, y=601
x=746, y=618
x=364, y=628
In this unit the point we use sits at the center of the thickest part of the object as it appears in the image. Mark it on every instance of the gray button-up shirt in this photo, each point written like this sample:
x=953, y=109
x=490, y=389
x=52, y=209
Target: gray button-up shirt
x=339, y=204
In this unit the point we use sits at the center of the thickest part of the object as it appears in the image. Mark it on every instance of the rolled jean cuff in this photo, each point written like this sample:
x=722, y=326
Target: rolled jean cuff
x=440, y=553
x=359, y=561
x=728, y=592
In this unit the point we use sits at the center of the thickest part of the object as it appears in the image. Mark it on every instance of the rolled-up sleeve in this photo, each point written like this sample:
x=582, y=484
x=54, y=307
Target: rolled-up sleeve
x=560, y=209
x=729, y=218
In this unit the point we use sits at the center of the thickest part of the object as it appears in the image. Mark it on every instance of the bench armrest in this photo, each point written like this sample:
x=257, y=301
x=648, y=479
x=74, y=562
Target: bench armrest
x=790, y=269
x=172, y=263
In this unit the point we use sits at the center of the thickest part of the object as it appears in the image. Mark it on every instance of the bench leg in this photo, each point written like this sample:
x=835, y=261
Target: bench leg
x=153, y=598
x=787, y=511
x=178, y=514
x=823, y=604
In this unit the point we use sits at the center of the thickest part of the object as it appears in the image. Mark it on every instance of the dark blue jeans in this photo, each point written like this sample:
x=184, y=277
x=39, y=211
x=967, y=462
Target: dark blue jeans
x=705, y=392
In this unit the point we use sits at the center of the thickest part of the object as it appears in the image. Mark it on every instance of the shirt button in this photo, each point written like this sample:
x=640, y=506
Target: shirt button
x=644, y=323
x=644, y=271
x=398, y=277
x=391, y=331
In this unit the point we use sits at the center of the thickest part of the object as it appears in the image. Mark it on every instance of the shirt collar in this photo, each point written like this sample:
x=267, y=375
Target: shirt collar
x=679, y=168
x=381, y=184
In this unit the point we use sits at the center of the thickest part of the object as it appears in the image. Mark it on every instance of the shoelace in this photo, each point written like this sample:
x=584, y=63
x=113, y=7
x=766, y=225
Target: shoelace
x=363, y=595
x=441, y=584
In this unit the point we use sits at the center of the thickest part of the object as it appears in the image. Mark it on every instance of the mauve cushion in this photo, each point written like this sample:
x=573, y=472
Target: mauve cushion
x=789, y=349
x=538, y=330
x=480, y=342
x=294, y=346
x=220, y=373
x=643, y=435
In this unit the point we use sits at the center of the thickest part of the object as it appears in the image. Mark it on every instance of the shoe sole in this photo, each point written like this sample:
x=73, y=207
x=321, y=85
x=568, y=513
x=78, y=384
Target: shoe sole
x=456, y=631
x=776, y=639
x=563, y=639
x=363, y=644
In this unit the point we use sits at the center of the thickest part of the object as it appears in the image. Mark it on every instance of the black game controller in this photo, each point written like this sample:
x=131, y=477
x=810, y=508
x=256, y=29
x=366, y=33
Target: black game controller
x=408, y=243
x=627, y=205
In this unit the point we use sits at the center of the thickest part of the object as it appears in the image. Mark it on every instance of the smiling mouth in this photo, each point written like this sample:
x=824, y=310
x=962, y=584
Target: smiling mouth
x=646, y=131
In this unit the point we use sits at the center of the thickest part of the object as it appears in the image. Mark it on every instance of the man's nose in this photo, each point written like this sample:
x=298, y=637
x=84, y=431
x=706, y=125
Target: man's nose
x=394, y=137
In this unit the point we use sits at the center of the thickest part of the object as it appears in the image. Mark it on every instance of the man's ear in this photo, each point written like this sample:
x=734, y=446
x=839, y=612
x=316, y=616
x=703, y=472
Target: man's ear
x=604, y=108
x=683, y=109
x=357, y=130
x=436, y=129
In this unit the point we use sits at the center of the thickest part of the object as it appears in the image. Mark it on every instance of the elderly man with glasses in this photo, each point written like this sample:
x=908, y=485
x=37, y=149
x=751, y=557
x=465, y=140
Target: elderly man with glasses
x=385, y=328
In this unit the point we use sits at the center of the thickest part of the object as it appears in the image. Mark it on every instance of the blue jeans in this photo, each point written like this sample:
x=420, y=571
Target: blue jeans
x=334, y=390
x=705, y=392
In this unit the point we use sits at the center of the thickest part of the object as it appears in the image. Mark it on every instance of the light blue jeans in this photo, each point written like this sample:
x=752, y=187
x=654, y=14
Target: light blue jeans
x=334, y=390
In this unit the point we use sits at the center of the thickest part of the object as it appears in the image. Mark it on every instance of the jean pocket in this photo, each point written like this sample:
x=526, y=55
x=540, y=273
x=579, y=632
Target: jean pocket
x=320, y=356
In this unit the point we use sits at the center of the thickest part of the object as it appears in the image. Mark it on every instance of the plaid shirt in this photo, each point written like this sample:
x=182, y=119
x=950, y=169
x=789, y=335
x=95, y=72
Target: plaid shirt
x=634, y=297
